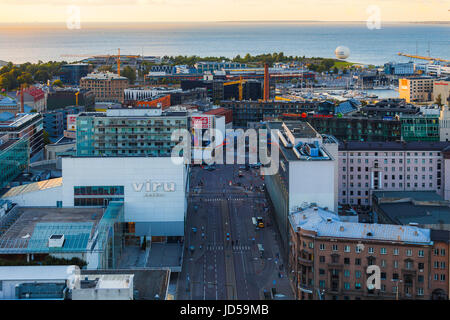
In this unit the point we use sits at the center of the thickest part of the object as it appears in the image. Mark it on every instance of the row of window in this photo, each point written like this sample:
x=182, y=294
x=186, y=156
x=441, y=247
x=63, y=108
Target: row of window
x=393, y=154
x=371, y=250
x=94, y=202
x=98, y=190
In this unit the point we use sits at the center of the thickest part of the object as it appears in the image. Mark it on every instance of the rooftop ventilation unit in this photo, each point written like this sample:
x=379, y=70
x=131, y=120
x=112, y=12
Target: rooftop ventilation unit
x=56, y=241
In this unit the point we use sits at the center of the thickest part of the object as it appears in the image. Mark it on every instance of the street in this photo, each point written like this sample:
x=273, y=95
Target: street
x=222, y=267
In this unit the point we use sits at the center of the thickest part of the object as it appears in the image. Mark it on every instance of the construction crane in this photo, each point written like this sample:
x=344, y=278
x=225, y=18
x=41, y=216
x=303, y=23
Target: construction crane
x=76, y=98
x=422, y=57
x=241, y=87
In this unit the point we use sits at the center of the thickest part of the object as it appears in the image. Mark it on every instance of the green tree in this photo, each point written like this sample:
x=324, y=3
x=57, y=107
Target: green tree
x=25, y=78
x=42, y=75
x=130, y=73
x=58, y=83
x=438, y=100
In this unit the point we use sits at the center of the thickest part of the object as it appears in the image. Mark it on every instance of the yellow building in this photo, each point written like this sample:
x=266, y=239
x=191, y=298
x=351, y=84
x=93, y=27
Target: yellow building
x=417, y=89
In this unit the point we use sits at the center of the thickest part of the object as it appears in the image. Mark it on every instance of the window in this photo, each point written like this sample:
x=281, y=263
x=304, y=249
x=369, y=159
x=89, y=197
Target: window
x=357, y=261
x=346, y=285
x=322, y=259
x=370, y=250
x=346, y=273
x=358, y=249
x=346, y=260
x=322, y=246
x=442, y=265
x=357, y=274
x=346, y=248
x=322, y=283
x=321, y=271
x=383, y=251
x=442, y=277
x=395, y=251
x=335, y=247
x=409, y=252
x=421, y=254
x=383, y=263
x=420, y=291
x=442, y=252
x=383, y=275
x=357, y=285
x=420, y=278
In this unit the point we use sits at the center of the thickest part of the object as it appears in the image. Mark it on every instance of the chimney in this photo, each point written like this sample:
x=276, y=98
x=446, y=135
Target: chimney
x=22, y=109
x=266, y=82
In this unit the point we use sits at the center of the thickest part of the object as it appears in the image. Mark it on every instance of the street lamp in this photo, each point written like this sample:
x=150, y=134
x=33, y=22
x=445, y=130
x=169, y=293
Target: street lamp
x=396, y=292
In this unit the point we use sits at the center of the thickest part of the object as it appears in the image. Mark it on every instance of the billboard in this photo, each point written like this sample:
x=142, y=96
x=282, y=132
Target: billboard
x=72, y=122
x=201, y=122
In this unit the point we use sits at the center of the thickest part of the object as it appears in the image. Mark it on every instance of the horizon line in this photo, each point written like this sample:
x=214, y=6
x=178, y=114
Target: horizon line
x=231, y=21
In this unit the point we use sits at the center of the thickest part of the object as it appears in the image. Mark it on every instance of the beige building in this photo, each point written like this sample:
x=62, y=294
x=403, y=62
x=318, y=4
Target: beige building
x=106, y=86
x=442, y=88
x=416, y=89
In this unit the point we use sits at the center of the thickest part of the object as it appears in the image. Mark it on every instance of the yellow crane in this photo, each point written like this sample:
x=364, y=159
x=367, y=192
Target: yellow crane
x=241, y=87
x=76, y=98
x=422, y=57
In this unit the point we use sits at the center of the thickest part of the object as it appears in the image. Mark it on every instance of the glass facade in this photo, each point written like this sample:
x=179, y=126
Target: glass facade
x=13, y=160
x=420, y=128
x=97, y=196
x=120, y=136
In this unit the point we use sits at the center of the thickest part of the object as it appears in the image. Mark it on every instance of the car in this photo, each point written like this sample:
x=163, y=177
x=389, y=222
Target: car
x=240, y=174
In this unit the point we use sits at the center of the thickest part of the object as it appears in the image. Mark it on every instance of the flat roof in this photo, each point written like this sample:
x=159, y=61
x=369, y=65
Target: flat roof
x=407, y=212
x=416, y=195
x=32, y=219
x=33, y=187
x=36, y=272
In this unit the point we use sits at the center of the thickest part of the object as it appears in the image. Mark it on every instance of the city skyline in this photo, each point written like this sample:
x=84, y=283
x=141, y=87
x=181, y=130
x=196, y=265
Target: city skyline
x=47, y=11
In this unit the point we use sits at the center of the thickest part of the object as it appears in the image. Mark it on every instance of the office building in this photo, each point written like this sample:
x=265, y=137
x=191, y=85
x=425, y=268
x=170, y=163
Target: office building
x=29, y=126
x=420, y=127
x=365, y=167
x=55, y=121
x=65, y=97
x=72, y=73
x=329, y=258
x=399, y=69
x=106, y=86
x=14, y=159
x=308, y=168
x=203, y=67
x=416, y=89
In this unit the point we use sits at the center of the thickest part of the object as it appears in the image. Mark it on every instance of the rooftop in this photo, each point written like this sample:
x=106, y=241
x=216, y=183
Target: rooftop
x=32, y=187
x=416, y=195
x=328, y=224
x=30, y=273
x=104, y=76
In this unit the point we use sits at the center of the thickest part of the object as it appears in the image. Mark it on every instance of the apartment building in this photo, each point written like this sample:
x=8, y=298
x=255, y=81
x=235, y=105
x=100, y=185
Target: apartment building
x=391, y=166
x=128, y=132
x=329, y=258
x=106, y=86
x=441, y=88
x=416, y=89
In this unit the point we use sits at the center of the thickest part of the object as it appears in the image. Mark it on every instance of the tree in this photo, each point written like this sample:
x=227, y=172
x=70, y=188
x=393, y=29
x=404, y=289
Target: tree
x=130, y=73
x=46, y=138
x=25, y=78
x=58, y=83
x=105, y=68
x=42, y=76
x=439, y=100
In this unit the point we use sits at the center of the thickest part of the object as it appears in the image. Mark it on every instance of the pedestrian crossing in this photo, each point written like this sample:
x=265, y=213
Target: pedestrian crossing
x=221, y=247
x=221, y=199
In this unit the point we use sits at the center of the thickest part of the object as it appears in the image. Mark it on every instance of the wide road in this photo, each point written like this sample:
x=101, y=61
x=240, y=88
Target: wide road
x=221, y=269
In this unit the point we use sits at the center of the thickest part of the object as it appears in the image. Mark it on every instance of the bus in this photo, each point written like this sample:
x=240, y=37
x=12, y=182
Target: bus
x=260, y=222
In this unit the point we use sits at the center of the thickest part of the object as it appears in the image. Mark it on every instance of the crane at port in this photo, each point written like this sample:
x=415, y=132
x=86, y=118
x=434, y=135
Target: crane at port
x=422, y=57
x=241, y=86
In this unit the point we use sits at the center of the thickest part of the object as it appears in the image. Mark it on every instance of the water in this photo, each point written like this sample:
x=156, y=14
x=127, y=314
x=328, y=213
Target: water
x=49, y=42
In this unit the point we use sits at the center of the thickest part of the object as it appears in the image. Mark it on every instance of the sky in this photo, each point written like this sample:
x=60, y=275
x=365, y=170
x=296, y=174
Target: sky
x=44, y=11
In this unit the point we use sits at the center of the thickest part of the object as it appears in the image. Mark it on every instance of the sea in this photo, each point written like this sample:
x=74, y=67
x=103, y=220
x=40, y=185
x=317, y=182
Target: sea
x=45, y=42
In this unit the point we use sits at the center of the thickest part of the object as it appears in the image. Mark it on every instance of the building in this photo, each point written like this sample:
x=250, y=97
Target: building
x=29, y=126
x=421, y=208
x=203, y=67
x=399, y=69
x=389, y=108
x=365, y=167
x=8, y=106
x=93, y=236
x=36, y=282
x=329, y=258
x=441, y=90
x=55, y=121
x=65, y=97
x=106, y=86
x=222, y=112
x=245, y=112
x=416, y=89
x=128, y=132
x=35, y=98
x=420, y=127
x=14, y=159
x=72, y=73
x=307, y=172
x=104, y=287
x=440, y=264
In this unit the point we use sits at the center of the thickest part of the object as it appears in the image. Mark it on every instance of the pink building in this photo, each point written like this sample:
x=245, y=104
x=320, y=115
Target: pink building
x=391, y=166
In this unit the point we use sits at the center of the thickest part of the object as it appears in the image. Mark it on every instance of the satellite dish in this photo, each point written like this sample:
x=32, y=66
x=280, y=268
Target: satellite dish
x=342, y=52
